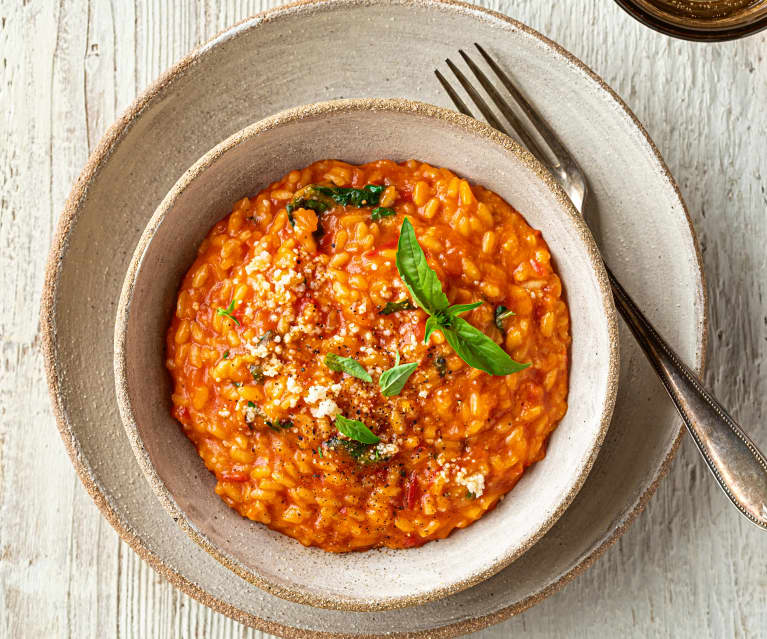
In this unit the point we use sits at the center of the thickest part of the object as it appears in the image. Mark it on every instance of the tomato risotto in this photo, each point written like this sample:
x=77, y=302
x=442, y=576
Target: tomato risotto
x=369, y=355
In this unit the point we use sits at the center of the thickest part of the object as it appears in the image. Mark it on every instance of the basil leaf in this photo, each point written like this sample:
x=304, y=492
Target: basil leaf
x=355, y=430
x=471, y=344
x=368, y=195
x=456, y=309
x=321, y=198
x=347, y=365
x=420, y=279
x=478, y=350
x=432, y=324
x=501, y=313
x=444, y=319
x=393, y=307
x=381, y=212
x=305, y=203
x=393, y=380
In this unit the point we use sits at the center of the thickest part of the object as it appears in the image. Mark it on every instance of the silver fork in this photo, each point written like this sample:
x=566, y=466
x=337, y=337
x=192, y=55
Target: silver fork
x=735, y=461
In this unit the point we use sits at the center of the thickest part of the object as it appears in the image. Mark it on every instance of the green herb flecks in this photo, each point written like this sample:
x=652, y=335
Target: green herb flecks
x=368, y=195
x=321, y=198
x=227, y=312
x=266, y=337
x=363, y=454
x=393, y=380
x=381, y=212
x=226, y=354
x=318, y=206
x=501, y=313
x=251, y=413
x=355, y=430
x=256, y=372
x=394, y=307
x=347, y=365
x=281, y=424
x=472, y=345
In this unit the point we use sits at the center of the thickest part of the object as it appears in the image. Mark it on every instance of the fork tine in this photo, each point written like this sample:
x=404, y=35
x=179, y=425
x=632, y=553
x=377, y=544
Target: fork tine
x=477, y=99
x=459, y=104
x=544, y=130
x=504, y=108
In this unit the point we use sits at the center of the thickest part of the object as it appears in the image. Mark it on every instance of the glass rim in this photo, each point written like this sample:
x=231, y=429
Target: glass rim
x=688, y=30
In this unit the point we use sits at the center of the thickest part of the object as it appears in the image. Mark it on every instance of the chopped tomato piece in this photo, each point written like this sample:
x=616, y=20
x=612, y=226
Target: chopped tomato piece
x=303, y=302
x=410, y=496
x=234, y=475
x=412, y=541
x=374, y=252
x=420, y=329
x=537, y=267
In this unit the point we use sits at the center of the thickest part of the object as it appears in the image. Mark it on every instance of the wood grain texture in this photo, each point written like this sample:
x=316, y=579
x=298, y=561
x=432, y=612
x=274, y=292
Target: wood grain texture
x=689, y=567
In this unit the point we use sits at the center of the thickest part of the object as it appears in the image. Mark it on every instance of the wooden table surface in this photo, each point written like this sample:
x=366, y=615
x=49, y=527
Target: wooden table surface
x=690, y=566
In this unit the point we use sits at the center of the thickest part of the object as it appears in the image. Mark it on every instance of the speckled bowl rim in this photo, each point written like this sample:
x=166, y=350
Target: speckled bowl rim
x=48, y=333
x=566, y=214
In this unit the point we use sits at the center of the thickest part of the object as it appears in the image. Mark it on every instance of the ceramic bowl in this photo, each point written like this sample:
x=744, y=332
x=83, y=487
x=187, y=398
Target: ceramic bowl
x=358, y=131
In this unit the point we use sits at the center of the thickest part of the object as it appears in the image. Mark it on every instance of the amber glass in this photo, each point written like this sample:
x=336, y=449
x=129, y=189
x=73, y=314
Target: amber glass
x=703, y=20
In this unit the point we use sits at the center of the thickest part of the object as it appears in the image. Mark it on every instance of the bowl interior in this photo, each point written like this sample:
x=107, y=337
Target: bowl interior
x=358, y=131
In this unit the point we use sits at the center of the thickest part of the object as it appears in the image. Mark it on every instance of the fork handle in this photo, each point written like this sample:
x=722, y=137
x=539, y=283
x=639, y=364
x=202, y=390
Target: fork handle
x=736, y=462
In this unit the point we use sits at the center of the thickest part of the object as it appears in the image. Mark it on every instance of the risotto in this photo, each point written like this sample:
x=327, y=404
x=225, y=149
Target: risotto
x=370, y=355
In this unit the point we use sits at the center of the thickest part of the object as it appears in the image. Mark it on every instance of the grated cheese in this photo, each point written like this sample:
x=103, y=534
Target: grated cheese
x=250, y=414
x=326, y=408
x=316, y=394
x=293, y=386
x=387, y=450
x=475, y=483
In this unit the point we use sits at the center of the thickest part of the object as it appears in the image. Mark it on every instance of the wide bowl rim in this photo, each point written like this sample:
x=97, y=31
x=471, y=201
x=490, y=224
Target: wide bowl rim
x=567, y=213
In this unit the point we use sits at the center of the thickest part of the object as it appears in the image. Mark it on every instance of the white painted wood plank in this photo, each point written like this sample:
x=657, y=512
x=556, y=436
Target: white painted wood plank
x=36, y=490
x=689, y=567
